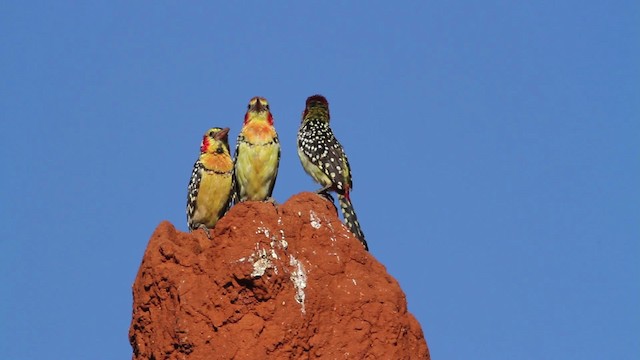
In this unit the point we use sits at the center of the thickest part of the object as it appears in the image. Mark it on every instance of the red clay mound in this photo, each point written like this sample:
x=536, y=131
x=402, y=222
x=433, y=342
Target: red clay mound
x=274, y=282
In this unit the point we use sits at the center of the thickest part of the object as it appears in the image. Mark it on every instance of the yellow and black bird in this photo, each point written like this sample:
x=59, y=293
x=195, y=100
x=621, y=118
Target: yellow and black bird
x=257, y=154
x=210, y=187
x=324, y=159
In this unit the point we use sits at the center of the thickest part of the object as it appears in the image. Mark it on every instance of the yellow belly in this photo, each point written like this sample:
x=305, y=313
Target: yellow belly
x=256, y=170
x=318, y=175
x=213, y=198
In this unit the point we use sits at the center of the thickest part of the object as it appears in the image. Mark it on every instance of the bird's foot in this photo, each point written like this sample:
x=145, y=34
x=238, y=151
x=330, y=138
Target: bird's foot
x=326, y=195
x=206, y=230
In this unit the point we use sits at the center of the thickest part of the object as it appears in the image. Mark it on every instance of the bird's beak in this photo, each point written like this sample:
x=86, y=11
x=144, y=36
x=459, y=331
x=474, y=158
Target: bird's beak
x=222, y=134
x=258, y=107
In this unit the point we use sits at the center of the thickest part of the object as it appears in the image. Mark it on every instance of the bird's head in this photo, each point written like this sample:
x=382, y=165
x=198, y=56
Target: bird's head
x=316, y=107
x=215, y=140
x=258, y=110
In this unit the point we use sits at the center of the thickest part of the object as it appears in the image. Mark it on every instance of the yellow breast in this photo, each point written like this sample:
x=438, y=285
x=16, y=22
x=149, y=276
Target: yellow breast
x=213, y=198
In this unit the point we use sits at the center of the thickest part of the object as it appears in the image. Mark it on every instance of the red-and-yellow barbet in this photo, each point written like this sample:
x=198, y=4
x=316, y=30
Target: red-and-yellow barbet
x=324, y=159
x=257, y=154
x=210, y=187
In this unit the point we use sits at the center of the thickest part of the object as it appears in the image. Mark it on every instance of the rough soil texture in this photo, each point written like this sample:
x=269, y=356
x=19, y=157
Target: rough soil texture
x=274, y=282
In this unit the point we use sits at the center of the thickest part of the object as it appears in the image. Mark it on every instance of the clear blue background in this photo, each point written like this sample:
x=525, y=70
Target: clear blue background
x=495, y=147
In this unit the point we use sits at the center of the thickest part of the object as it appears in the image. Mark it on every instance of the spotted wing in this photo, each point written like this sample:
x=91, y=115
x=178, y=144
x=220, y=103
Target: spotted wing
x=323, y=150
x=192, y=193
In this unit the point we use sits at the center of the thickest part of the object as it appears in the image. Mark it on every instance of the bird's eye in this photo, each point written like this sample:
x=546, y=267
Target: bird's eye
x=248, y=106
x=212, y=133
x=267, y=106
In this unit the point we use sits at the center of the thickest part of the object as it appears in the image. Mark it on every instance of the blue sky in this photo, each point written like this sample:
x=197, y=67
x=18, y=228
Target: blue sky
x=495, y=150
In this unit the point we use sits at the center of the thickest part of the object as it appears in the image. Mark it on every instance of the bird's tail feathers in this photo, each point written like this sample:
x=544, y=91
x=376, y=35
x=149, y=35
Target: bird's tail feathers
x=351, y=220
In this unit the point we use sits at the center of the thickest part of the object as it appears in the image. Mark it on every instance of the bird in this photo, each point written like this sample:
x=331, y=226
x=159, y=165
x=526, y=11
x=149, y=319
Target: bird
x=257, y=154
x=210, y=187
x=324, y=159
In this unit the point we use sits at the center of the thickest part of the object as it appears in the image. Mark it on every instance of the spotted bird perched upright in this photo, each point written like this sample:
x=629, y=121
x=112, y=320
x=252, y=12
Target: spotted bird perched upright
x=257, y=154
x=210, y=187
x=324, y=159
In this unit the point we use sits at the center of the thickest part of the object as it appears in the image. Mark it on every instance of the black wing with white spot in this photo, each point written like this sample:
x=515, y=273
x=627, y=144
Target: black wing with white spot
x=275, y=175
x=235, y=190
x=192, y=193
x=318, y=143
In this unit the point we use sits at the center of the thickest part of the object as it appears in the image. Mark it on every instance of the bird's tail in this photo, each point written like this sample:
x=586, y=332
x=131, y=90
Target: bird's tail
x=351, y=220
